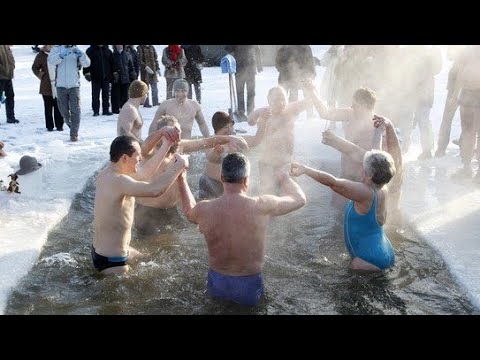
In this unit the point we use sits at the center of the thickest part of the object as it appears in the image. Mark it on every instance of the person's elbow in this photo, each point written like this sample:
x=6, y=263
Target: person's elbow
x=299, y=202
x=189, y=216
x=302, y=201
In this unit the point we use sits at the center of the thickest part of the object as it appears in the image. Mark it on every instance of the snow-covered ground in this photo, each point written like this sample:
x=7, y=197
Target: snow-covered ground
x=443, y=211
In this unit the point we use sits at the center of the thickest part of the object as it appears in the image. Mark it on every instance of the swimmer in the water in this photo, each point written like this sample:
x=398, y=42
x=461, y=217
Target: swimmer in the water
x=365, y=213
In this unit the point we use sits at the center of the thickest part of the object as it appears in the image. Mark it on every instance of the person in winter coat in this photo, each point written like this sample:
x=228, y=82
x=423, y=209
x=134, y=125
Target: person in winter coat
x=193, y=69
x=123, y=75
x=149, y=71
x=7, y=66
x=69, y=59
x=134, y=54
x=42, y=70
x=174, y=59
x=100, y=74
x=249, y=62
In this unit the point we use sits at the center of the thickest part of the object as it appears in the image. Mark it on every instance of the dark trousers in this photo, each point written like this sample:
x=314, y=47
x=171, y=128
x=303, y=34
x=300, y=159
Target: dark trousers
x=198, y=91
x=447, y=119
x=241, y=79
x=104, y=87
x=7, y=87
x=170, y=93
x=52, y=113
x=119, y=96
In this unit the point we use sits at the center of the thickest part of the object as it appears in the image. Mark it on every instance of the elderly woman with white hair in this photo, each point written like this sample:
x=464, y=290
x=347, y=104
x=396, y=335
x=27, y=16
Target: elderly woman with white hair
x=366, y=212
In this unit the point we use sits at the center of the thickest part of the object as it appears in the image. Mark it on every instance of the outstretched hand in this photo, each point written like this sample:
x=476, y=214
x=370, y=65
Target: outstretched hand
x=218, y=149
x=380, y=120
x=183, y=159
x=329, y=138
x=171, y=133
x=297, y=169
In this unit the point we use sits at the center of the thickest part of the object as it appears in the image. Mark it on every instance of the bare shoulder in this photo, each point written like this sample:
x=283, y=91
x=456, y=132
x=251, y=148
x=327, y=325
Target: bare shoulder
x=193, y=104
x=265, y=203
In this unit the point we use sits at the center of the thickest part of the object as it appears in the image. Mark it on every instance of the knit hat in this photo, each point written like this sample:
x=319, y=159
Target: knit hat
x=137, y=89
x=220, y=119
x=180, y=84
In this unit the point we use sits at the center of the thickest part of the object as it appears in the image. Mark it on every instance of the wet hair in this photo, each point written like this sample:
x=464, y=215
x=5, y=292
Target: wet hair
x=164, y=120
x=276, y=89
x=365, y=97
x=122, y=145
x=379, y=166
x=220, y=119
x=235, y=168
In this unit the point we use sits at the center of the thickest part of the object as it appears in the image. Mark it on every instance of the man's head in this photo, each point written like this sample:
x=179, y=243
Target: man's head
x=169, y=120
x=235, y=169
x=277, y=99
x=379, y=166
x=125, y=150
x=222, y=123
x=180, y=89
x=138, y=89
x=365, y=99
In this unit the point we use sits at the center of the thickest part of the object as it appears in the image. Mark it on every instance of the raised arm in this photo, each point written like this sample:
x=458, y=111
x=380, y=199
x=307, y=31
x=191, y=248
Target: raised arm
x=350, y=189
x=210, y=142
x=393, y=144
x=186, y=196
x=256, y=139
x=172, y=133
x=322, y=109
x=159, y=184
x=293, y=199
x=147, y=169
x=344, y=146
x=254, y=117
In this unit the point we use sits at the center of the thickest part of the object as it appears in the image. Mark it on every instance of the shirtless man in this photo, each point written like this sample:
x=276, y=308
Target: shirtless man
x=183, y=109
x=391, y=145
x=154, y=212
x=279, y=139
x=358, y=130
x=234, y=226
x=130, y=121
x=116, y=188
x=210, y=184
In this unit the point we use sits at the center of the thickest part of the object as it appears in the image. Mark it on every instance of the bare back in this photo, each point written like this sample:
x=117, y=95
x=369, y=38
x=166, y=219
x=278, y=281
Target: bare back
x=234, y=230
x=113, y=216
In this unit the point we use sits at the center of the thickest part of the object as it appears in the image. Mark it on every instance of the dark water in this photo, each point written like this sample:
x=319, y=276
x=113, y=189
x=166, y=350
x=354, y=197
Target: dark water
x=306, y=270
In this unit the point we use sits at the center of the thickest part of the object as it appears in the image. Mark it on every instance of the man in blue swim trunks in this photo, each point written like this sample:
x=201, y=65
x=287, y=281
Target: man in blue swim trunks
x=234, y=226
x=117, y=185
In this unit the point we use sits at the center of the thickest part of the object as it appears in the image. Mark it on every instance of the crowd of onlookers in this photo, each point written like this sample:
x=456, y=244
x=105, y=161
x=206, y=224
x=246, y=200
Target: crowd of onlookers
x=402, y=77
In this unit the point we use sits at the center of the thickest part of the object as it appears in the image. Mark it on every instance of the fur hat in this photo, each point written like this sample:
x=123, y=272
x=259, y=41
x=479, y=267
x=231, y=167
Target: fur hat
x=137, y=89
x=28, y=164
